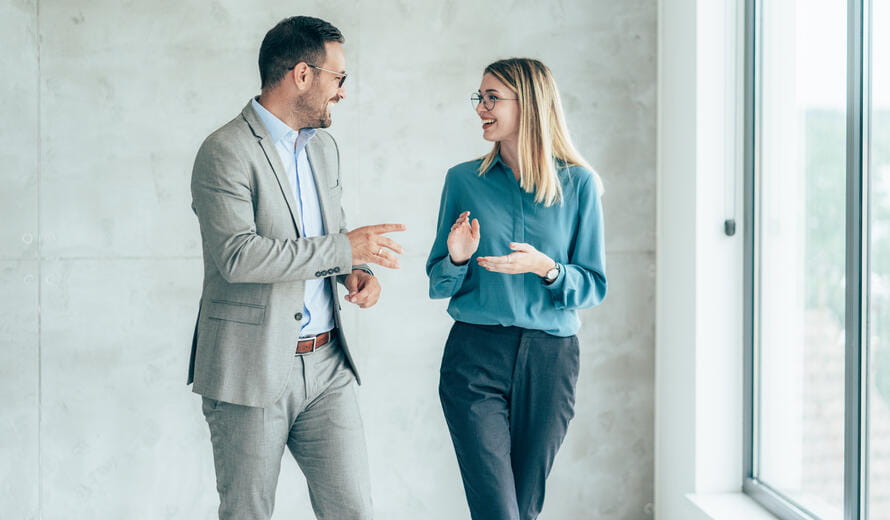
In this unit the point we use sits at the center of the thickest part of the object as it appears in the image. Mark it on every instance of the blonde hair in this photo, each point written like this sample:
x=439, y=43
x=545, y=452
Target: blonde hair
x=543, y=134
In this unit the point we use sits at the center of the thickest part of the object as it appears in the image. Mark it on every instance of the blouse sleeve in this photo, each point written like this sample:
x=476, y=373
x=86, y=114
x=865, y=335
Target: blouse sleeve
x=445, y=277
x=582, y=281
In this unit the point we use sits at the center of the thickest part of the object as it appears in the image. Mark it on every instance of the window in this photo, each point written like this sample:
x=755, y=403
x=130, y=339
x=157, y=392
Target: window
x=818, y=258
x=878, y=146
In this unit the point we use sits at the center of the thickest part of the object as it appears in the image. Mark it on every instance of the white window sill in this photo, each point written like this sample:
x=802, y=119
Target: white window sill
x=729, y=506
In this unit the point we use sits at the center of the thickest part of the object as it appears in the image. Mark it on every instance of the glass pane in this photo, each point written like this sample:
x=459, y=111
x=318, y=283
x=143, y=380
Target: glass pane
x=801, y=252
x=879, y=245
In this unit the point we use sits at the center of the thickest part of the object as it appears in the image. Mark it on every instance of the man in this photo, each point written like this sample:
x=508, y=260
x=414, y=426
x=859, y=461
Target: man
x=268, y=355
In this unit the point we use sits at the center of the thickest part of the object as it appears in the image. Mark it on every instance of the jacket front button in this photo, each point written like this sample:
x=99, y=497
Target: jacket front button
x=298, y=316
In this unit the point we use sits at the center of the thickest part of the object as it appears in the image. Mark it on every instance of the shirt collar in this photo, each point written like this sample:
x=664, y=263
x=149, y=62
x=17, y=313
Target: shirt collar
x=559, y=164
x=279, y=131
x=498, y=161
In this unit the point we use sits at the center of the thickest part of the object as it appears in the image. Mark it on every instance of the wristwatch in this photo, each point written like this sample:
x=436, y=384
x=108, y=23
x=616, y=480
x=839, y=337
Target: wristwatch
x=553, y=273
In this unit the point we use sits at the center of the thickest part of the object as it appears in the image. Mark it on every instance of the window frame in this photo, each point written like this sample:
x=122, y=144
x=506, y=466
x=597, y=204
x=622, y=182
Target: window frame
x=856, y=259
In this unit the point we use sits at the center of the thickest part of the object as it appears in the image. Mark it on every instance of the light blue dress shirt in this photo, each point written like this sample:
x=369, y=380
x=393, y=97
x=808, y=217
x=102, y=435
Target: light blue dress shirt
x=570, y=232
x=318, y=310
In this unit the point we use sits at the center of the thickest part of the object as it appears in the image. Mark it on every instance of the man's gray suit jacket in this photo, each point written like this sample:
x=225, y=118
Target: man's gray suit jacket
x=255, y=263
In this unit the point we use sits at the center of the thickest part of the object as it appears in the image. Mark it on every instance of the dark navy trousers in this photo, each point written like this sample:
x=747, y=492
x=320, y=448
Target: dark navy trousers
x=508, y=395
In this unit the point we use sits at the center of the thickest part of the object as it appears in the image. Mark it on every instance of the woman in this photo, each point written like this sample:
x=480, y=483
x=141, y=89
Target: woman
x=516, y=273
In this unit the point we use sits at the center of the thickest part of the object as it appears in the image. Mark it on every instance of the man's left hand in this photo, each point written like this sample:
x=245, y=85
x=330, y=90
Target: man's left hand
x=364, y=289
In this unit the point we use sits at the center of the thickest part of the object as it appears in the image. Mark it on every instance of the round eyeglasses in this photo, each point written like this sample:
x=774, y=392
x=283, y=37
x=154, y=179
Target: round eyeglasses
x=487, y=100
x=341, y=75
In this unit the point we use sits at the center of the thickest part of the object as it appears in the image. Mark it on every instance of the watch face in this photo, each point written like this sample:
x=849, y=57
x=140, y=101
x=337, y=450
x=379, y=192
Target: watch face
x=553, y=273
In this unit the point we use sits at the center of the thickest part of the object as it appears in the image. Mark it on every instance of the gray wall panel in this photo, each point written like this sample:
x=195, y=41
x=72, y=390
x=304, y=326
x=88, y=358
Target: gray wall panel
x=19, y=150
x=127, y=92
x=122, y=437
x=19, y=268
x=20, y=389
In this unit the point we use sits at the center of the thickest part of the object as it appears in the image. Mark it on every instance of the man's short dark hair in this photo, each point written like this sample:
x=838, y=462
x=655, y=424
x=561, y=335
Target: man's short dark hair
x=294, y=40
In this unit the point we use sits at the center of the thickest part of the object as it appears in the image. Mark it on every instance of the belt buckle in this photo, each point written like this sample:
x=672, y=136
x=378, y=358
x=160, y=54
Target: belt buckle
x=314, y=345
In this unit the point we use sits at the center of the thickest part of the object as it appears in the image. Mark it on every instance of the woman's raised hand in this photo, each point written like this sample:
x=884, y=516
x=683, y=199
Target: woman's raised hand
x=463, y=240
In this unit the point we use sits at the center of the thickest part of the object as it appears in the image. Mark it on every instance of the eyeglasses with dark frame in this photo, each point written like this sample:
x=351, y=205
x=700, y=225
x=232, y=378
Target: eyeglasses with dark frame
x=341, y=75
x=487, y=100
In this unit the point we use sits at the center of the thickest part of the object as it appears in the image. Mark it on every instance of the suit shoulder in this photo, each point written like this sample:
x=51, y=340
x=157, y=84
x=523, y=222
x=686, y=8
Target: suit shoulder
x=226, y=149
x=227, y=137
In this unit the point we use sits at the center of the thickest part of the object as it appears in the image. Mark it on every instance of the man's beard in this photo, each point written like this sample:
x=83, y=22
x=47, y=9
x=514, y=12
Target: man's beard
x=325, y=120
x=315, y=117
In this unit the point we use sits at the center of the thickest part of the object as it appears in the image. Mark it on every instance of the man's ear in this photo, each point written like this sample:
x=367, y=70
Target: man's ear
x=300, y=76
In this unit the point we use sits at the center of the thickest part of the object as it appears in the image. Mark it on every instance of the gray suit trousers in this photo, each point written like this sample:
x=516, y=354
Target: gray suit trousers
x=318, y=419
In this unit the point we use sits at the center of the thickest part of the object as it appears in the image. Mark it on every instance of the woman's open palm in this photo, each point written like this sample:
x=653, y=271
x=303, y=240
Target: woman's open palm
x=463, y=239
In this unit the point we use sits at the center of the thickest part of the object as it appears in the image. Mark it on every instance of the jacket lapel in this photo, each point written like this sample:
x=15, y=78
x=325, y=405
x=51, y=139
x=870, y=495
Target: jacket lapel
x=321, y=169
x=268, y=148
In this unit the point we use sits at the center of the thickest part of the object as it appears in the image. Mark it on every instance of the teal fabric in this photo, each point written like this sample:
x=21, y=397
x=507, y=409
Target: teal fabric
x=570, y=232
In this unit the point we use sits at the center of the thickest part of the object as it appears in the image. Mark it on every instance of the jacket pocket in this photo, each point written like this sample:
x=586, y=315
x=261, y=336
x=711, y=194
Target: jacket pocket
x=248, y=313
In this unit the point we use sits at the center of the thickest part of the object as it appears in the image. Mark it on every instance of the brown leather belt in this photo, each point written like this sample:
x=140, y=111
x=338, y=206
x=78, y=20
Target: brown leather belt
x=305, y=346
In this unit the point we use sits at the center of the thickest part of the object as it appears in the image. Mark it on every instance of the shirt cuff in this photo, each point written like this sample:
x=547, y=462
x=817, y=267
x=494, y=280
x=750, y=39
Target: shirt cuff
x=452, y=270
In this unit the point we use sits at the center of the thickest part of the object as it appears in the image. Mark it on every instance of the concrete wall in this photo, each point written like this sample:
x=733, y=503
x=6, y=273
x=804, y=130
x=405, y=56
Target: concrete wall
x=104, y=104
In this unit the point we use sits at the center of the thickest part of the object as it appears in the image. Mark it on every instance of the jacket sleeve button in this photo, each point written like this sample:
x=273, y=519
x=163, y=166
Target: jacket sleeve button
x=336, y=269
